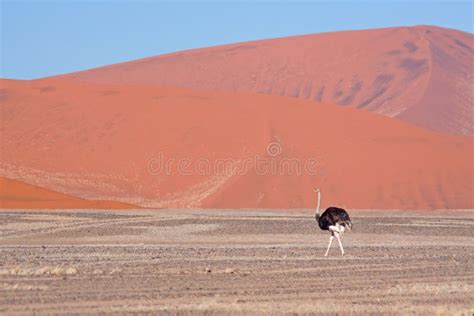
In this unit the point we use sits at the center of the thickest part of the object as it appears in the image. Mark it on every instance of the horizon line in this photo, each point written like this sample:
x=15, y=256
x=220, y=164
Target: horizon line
x=223, y=44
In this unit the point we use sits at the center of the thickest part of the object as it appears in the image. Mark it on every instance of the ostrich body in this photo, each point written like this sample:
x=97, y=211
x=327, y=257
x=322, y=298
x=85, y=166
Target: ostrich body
x=334, y=219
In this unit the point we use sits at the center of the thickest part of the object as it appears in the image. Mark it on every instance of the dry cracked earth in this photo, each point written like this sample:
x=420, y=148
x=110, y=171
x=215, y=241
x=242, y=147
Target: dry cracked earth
x=234, y=262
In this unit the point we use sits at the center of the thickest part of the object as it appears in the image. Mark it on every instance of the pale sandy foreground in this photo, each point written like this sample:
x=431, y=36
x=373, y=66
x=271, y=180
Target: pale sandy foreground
x=234, y=262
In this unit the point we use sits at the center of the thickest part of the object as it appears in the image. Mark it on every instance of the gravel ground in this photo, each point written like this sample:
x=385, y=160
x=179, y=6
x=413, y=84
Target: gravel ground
x=234, y=262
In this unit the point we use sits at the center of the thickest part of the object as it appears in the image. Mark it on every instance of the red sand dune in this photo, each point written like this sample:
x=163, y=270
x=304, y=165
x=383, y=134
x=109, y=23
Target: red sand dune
x=422, y=75
x=16, y=194
x=101, y=142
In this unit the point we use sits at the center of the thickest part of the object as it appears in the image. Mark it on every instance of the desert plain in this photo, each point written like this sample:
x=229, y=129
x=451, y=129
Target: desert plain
x=198, y=261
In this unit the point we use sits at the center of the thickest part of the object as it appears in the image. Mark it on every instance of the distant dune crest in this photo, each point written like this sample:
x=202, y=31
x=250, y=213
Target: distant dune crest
x=422, y=74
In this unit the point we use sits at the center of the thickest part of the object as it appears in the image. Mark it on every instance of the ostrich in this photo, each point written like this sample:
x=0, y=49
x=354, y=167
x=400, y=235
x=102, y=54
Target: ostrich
x=334, y=219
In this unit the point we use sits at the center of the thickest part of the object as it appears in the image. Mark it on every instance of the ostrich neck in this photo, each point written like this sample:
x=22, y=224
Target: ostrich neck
x=319, y=204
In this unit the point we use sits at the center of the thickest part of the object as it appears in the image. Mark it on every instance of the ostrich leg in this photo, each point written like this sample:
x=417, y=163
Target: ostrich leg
x=340, y=243
x=329, y=246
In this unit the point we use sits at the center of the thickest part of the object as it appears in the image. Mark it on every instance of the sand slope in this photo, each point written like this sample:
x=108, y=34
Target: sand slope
x=16, y=194
x=421, y=74
x=108, y=142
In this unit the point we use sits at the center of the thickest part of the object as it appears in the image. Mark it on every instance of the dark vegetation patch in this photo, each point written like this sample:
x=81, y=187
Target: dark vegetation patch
x=414, y=67
x=462, y=44
x=319, y=94
x=380, y=85
x=338, y=93
x=410, y=46
x=355, y=88
x=394, y=52
x=46, y=89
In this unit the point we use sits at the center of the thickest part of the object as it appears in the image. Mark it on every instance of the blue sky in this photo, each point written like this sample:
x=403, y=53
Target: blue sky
x=44, y=38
